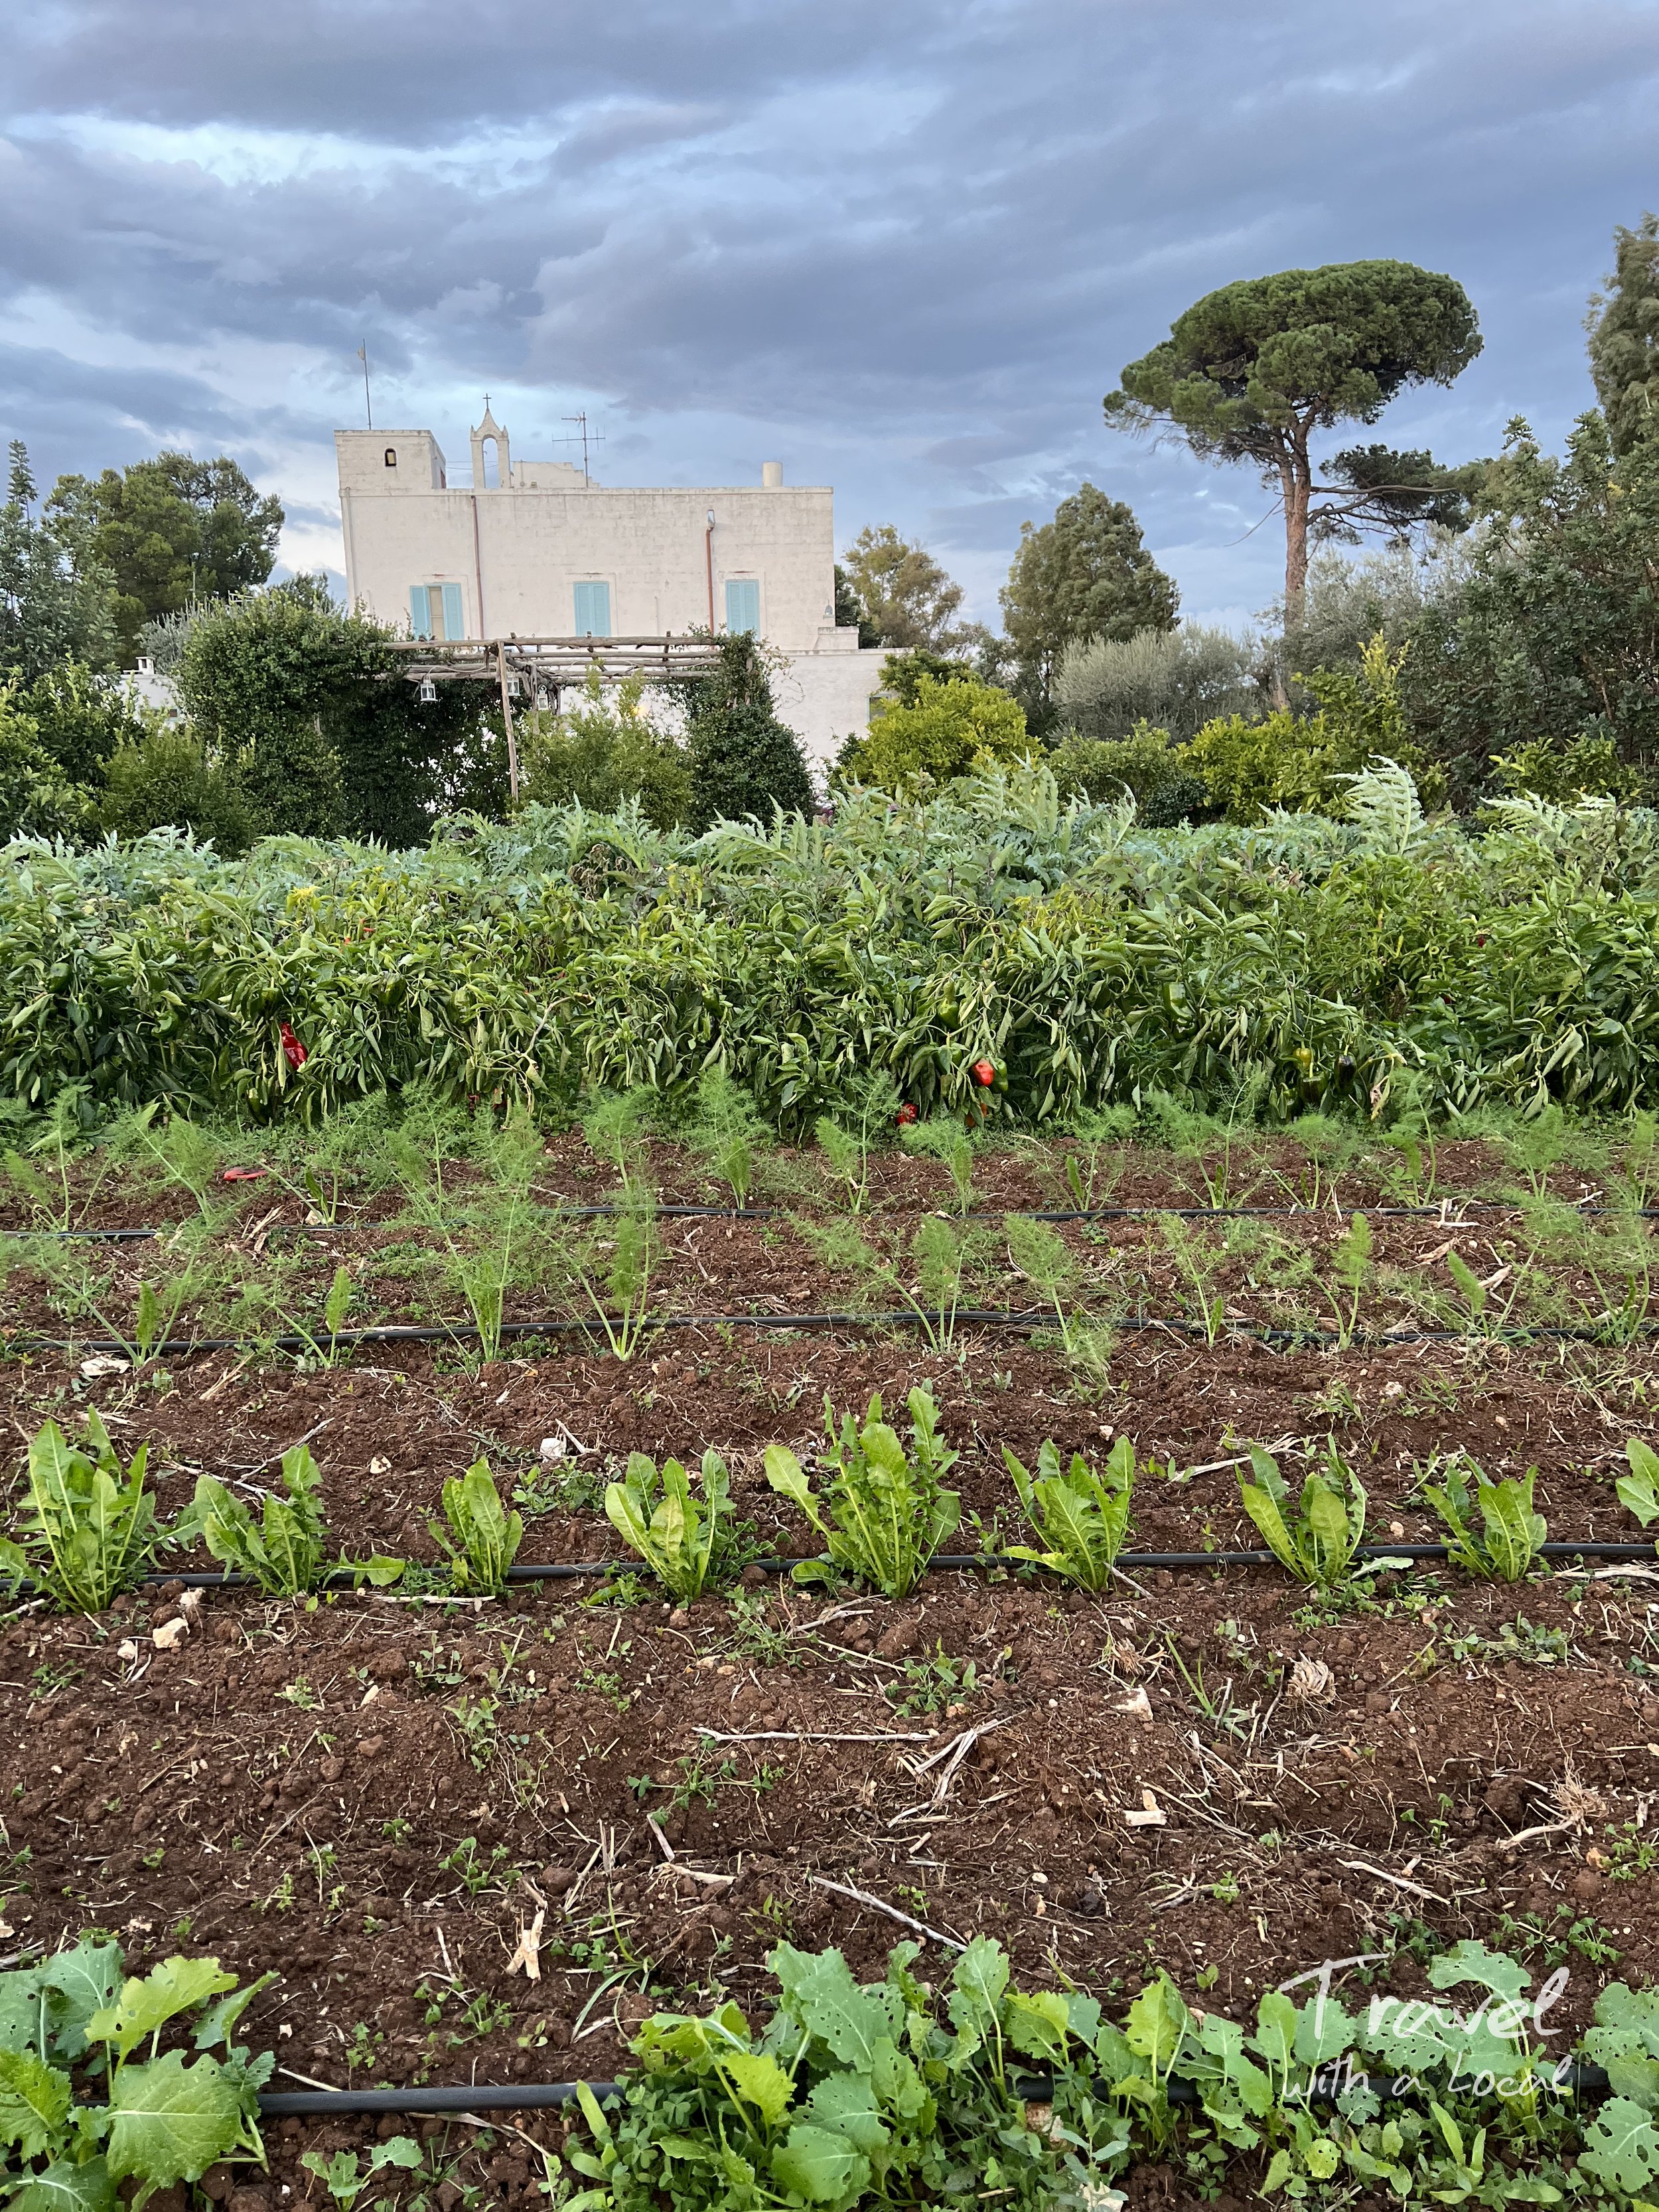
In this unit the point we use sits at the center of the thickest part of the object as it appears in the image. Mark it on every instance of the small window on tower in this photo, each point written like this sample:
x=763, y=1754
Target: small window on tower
x=391, y=456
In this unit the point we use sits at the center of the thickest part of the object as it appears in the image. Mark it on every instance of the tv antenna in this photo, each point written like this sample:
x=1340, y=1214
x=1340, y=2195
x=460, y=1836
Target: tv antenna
x=581, y=435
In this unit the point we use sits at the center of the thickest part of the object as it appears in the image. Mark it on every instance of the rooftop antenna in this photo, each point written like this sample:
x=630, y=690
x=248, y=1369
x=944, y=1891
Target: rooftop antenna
x=583, y=434
x=369, y=407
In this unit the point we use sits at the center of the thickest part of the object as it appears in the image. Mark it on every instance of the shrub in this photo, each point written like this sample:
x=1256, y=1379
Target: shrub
x=167, y=781
x=1145, y=764
x=1285, y=760
x=37, y=799
x=602, y=752
x=81, y=718
x=947, y=729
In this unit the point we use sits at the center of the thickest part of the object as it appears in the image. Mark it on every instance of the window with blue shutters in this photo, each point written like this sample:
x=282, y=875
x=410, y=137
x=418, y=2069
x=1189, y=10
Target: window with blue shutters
x=593, y=609
x=435, y=610
x=742, y=604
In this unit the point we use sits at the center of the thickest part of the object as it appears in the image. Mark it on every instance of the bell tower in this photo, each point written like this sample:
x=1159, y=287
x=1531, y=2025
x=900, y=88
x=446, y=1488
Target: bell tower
x=490, y=432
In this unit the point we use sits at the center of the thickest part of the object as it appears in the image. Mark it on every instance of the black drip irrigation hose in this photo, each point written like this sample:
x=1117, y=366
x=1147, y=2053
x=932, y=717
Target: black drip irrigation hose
x=1591, y=1547
x=1027, y=1324
x=520, y=2097
x=1447, y=1213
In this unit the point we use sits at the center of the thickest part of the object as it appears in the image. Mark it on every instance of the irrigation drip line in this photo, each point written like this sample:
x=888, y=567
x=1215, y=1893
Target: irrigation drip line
x=1028, y=1323
x=1589, y=1547
x=1446, y=1212
x=518, y=2097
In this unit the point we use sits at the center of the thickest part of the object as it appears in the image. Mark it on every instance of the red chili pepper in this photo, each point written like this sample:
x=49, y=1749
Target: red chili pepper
x=244, y=1174
x=906, y=1113
x=293, y=1051
x=984, y=1073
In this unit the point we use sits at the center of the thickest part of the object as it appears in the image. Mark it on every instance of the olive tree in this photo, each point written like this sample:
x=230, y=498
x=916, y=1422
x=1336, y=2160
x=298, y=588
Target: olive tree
x=1252, y=371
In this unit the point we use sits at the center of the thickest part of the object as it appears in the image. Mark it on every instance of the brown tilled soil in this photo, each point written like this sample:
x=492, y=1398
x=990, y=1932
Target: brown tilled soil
x=375, y=1796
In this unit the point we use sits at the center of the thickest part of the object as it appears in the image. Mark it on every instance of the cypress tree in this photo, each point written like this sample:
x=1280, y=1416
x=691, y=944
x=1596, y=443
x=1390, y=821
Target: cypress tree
x=744, y=760
x=1624, y=336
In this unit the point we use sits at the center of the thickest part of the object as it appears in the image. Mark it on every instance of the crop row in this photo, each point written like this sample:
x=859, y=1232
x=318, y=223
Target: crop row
x=853, y=2091
x=881, y=1507
x=892, y=945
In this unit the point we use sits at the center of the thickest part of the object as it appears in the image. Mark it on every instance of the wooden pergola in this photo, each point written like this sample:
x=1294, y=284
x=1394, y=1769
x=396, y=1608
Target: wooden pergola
x=536, y=669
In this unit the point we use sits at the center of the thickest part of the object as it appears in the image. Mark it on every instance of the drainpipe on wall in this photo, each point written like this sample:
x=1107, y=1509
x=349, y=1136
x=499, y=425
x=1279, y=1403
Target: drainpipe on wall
x=477, y=567
x=708, y=554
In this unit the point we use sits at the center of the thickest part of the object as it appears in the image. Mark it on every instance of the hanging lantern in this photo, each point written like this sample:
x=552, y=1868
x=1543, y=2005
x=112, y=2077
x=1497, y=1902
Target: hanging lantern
x=428, y=691
x=543, y=702
x=512, y=687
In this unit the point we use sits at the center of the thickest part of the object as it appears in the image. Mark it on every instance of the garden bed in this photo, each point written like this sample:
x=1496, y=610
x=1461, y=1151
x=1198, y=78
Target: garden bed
x=1211, y=1771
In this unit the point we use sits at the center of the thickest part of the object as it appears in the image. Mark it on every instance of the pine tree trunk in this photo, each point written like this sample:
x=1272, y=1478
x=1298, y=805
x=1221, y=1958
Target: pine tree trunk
x=1296, y=477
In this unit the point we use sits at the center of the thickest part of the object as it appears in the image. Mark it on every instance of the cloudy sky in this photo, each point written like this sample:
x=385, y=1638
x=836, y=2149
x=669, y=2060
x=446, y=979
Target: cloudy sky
x=904, y=248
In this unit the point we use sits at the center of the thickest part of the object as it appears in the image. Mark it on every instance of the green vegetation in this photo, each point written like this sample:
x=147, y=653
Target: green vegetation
x=602, y=753
x=947, y=726
x=92, y=1531
x=1319, y=1544
x=686, y=1542
x=889, y=1509
x=1079, y=1517
x=482, y=1539
x=1505, y=1544
x=1084, y=578
x=1249, y=372
x=882, y=2094
x=1306, y=965
x=82, y=2117
x=283, y=1553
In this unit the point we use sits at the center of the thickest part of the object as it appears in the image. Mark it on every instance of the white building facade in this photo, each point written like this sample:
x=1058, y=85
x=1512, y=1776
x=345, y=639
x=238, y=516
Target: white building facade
x=534, y=549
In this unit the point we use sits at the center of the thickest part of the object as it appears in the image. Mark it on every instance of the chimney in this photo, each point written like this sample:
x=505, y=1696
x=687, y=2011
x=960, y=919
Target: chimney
x=771, y=476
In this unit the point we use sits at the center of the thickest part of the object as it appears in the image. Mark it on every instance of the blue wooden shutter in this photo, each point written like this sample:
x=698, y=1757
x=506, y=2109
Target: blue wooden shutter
x=420, y=611
x=593, y=609
x=742, y=604
x=454, y=620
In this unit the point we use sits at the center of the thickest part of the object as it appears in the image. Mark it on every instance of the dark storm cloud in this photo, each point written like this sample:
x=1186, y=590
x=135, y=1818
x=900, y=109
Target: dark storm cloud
x=911, y=249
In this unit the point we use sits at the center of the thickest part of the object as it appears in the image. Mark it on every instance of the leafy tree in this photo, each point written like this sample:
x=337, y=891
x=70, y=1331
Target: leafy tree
x=55, y=601
x=851, y=612
x=1084, y=575
x=1175, y=679
x=1554, y=635
x=1348, y=602
x=1624, y=336
x=171, y=531
x=743, y=759
x=941, y=729
x=602, y=752
x=901, y=674
x=309, y=710
x=908, y=600
x=1251, y=372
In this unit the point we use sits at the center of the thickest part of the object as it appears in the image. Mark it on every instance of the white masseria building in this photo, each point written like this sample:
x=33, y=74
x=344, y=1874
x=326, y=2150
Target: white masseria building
x=534, y=549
